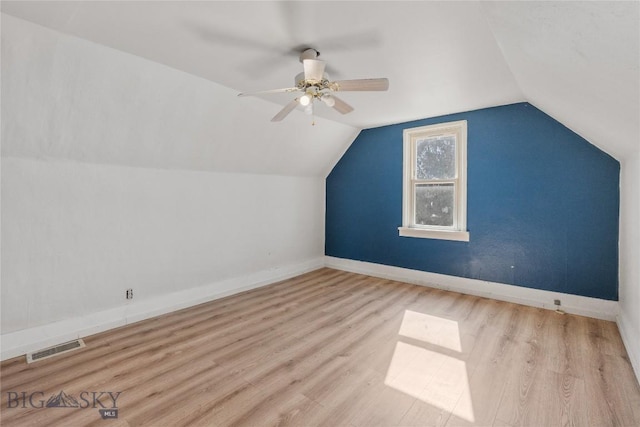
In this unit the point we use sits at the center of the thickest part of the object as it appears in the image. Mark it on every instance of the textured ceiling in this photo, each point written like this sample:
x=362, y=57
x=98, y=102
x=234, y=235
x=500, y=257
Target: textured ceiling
x=577, y=61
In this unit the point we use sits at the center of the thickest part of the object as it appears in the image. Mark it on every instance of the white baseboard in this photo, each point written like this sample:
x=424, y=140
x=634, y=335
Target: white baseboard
x=23, y=341
x=575, y=304
x=630, y=337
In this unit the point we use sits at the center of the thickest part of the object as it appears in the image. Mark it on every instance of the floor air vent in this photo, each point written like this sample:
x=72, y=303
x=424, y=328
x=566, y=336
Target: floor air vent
x=54, y=351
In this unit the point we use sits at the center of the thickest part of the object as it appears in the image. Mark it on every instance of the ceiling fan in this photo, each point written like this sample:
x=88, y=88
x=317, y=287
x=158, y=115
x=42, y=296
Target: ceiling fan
x=314, y=84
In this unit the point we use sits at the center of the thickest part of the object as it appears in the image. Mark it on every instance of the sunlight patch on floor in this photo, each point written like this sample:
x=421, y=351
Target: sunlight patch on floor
x=431, y=329
x=435, y=378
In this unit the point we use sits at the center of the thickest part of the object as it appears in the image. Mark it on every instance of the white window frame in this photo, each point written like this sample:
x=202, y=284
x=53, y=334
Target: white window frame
x=409, y=227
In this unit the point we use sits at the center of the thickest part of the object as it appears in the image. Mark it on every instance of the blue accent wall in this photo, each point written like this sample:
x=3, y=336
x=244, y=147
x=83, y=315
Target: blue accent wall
x=542, y=205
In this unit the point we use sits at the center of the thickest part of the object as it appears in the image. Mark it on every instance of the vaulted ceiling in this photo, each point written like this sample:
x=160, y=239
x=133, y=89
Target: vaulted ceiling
x=577, y=61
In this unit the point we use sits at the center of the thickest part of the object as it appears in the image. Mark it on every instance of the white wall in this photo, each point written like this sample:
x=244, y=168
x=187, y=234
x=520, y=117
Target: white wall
x=629, y=318
x=75, y=236
x=121, y=173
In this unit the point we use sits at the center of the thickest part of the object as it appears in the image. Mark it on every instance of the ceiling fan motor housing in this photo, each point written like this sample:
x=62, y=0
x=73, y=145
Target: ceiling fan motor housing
x=302, y=83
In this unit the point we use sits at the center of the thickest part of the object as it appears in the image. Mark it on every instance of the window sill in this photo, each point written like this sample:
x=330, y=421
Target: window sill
x=460, y=236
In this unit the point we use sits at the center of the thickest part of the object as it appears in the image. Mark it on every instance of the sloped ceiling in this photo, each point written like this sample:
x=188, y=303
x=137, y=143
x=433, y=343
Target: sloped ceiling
x=67, y=98
x=577, y=61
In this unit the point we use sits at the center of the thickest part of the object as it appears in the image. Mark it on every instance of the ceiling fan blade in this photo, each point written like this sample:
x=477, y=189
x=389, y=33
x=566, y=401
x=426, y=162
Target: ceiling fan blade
x=285, y=111
x=361, y=84
x=268, y=92
x=341, y=106
x=212, y=35
x=313, y=69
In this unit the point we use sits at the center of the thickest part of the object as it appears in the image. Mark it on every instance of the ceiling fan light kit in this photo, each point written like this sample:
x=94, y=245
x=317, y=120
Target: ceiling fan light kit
x=308, y=110
x=305, y=100
x=315, y=84
x=328, y=100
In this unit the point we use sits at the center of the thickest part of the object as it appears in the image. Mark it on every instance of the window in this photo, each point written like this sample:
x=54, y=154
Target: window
x=435, y=182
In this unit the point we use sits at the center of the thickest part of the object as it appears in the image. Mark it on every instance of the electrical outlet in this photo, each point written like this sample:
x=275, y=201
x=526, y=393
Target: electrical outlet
x=129, y=294
x=557, y=302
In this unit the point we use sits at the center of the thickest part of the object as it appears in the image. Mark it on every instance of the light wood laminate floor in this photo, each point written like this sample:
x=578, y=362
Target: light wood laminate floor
x=331, y=348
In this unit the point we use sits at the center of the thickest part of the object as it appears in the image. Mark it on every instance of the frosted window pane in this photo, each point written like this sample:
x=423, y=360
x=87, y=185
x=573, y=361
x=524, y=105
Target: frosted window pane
x=434, y=204
x=436, y=157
